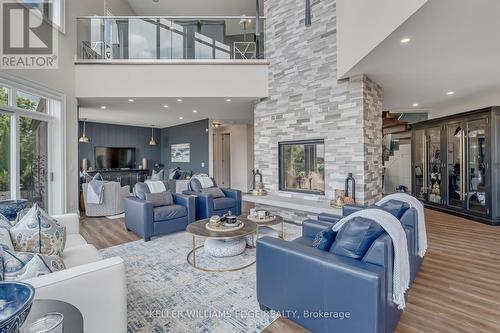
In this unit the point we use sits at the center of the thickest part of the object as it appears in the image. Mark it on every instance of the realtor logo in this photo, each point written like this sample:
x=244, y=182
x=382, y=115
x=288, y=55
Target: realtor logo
x=29, y=41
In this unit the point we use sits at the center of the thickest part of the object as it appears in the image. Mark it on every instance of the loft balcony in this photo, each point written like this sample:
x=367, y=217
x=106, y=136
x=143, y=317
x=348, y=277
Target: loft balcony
x=164, y=39
x=171, y=57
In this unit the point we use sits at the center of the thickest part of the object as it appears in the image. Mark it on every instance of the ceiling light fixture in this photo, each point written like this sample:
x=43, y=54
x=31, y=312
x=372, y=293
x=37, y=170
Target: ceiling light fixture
x=216, y=124
x=415, y=105
x=195, y=111
x=152, y=141
x=228, y=100
x=449, y=93
x=179, y=100
x=181, y=118
x=84, y=138
x=103, y=107
x=131, y=100
x=165, y=106
x=405, y=40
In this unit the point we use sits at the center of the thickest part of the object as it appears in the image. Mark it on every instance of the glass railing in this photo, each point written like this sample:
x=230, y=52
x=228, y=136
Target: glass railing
x=162, y=38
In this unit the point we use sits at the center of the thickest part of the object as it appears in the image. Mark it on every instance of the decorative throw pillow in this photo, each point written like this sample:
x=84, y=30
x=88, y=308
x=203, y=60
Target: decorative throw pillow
x=395, y=207
x=5, y=240
x=24, y=265
x=215, y=192
x=157, y=175
x=324, y=239
x=37, y=232
x=355, y=237
x=174, y=174
x=4, y=222
x=160, y=199
x=98, y=177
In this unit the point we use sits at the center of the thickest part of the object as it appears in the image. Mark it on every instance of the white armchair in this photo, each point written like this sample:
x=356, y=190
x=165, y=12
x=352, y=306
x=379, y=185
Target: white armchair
x=112, y=201
x=96, y=286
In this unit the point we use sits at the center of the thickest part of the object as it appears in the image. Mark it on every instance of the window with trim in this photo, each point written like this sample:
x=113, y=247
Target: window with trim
x=302, y=166
x=52, y=11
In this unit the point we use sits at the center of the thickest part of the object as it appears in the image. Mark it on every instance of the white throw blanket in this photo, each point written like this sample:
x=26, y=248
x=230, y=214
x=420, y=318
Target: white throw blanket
x=414, y=203
x=205, y=181
x=156, y=186
x=95, y=192
x=401, y=268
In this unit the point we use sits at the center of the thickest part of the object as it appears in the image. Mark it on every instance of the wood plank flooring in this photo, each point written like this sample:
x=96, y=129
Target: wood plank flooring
x=457, y=288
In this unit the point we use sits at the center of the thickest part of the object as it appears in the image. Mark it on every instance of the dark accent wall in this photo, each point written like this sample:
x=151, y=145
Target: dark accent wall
x=194, y=133
x=109, y=135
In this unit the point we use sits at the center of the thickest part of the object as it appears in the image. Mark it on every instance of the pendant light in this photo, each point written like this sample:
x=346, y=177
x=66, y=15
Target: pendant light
x=84, y=138
x=152, y=141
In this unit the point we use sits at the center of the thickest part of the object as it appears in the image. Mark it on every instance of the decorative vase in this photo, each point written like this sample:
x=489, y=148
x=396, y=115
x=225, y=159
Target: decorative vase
x=350, y=186
x=144, y=163
x=16, y=299
x=85, y=164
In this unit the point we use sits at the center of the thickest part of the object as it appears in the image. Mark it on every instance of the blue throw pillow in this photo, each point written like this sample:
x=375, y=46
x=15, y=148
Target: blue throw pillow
x=355, y=237
x=395, y=207
x=324, y=239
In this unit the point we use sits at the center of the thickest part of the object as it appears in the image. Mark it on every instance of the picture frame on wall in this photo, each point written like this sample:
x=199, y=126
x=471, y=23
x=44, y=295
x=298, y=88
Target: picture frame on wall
x=180, y=153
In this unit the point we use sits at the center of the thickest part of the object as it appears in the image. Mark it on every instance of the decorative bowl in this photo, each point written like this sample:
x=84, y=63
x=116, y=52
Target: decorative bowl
x=16, y=299
x=10, y=208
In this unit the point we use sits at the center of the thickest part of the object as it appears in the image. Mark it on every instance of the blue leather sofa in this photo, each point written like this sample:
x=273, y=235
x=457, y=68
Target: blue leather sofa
x=326, y=292
x=207, y=205
x=147, y=221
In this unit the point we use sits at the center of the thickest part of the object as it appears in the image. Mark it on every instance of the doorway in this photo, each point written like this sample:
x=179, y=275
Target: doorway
x=222, y=159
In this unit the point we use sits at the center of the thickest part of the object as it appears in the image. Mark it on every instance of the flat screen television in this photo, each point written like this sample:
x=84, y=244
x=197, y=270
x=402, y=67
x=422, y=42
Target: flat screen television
x=114, y=158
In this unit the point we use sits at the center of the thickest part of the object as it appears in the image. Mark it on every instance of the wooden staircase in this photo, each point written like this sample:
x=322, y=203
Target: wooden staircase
x=399, y=132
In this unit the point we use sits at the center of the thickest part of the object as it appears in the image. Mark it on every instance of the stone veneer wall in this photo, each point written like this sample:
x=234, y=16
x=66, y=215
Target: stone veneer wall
x=306, y=101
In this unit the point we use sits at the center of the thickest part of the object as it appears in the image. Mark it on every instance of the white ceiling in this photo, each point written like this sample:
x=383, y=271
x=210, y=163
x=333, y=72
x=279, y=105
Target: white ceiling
x=150, y=111
x=194, y=7
x=455, y=46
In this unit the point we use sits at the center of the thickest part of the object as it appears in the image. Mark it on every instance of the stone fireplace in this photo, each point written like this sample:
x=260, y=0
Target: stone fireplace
x=307, y=102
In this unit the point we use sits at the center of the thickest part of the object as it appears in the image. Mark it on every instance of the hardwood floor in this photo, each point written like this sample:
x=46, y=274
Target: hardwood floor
x=457, y=288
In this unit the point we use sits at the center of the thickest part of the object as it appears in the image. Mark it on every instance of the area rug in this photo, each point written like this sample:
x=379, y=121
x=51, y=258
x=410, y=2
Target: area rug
x=166, y=294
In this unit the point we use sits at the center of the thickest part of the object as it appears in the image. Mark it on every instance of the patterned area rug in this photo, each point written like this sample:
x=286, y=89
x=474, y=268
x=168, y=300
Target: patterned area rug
x=166, y=294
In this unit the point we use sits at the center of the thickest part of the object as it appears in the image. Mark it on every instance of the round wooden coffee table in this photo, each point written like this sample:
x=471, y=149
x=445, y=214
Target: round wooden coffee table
x=268, y=223
x=199, y=229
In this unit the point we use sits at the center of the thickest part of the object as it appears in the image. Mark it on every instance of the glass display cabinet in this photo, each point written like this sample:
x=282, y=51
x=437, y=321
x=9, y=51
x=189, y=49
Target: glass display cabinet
x=456, y=164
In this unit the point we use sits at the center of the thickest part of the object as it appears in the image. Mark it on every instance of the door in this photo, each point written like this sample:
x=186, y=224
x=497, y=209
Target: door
x=226, y=160
x=478, y=167
x=434, y=170
x=456, y=142
x=419, y=165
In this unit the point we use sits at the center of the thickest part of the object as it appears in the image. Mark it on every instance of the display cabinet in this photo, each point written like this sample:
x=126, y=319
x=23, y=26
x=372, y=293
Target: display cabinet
x=456, y=164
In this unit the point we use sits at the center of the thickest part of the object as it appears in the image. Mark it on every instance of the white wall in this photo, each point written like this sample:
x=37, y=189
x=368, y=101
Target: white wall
x=63, y=80
x=468, y=103
x=172, y=80
x=241, y=138
x=119, y=7
x=363, y=24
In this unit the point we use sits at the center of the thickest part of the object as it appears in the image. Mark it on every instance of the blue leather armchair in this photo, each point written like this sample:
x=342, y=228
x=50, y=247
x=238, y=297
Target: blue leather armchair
x=148, y=221
x=324, y=292
x=207, y=205
x=409, y=221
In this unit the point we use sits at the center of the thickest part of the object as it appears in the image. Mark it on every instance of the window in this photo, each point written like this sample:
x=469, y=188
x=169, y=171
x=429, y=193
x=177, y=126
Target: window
x=31, y=144
x=302, y=166
x=31, y=102
x=52, y=11
x=4, y=156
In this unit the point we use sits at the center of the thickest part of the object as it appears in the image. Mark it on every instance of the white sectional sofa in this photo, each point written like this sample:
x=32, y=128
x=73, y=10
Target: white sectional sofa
x=96, y=286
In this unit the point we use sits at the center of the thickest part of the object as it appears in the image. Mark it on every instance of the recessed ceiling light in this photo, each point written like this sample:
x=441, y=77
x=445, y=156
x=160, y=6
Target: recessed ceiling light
x=165, y=106
x=405, y=40
x=103, y=107
x=228, y=99
x=415, y=105
x=131, y=100
x=195, y=111
x=449, y=93
x=181, y=118
x=179, y=100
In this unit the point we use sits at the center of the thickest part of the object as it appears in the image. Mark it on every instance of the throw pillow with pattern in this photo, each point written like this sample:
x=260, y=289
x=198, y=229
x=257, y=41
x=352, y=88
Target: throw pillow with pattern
x=37, y=232
x=324, y=239
x=19, y=266
x=5, y=223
